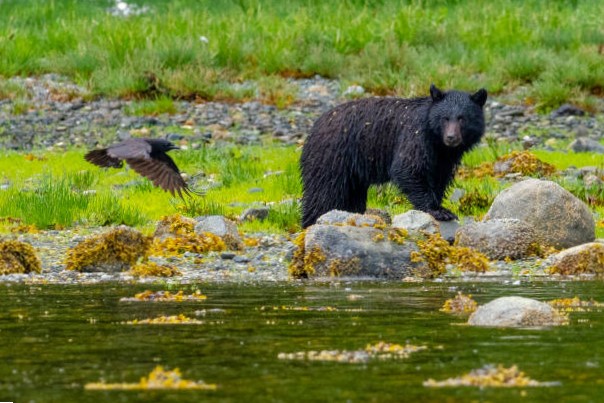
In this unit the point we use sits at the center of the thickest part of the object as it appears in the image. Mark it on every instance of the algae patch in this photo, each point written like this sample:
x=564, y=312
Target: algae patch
x=437, y=253
x=379, y=351
x=165, y=296
x=159, y=378
x=114, y=251
x=152, y=269
x=302, y=264
x=18, y=257
x=461, y=304
x=490, y=376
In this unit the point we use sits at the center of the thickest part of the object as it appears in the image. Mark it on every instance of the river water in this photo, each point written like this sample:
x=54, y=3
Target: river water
x=54, y=339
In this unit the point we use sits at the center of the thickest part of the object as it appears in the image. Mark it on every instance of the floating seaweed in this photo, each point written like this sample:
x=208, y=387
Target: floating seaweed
x=179, y=319
x=379, y=351
x=165, y=296
x=490, y=376
x=157, y=379
x=575, y=305
x=461, y=304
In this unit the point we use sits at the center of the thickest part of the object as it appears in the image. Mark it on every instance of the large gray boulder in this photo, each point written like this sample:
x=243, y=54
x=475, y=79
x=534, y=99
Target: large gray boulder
x=352, y=251
x=585, y=144
x=499, y=238
x=558, y=218
x=516, y=312
x=220, y=226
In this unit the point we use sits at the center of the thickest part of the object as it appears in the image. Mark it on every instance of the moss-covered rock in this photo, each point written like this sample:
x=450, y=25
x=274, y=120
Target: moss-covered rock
x=18, y=257
x=522, y=162
x=342, y=250
x=586, y=258
x=176, y=235
x=114, y=251
x=437, y=253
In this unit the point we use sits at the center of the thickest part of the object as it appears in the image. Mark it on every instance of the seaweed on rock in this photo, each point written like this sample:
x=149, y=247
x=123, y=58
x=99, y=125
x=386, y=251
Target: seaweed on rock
x=116, y=250
x=18, y=257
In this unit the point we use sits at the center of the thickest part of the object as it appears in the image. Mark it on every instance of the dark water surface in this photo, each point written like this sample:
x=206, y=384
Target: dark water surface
x=55, y=339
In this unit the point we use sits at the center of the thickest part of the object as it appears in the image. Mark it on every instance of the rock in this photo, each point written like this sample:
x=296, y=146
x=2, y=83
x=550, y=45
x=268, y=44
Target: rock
x=558, y=218
x=114, y=251
x=173, y=226
x=499, y=238
x=585, y=144
x=415, y=220
x=255, y=213
x=222, y=227
x=339, y=217
x=567, y=110
x=18, y=257
x=456, y=195
x=586, y=258
x=448, y=229
x=383, y=214
x=354, y=91
x=516, y=312
x=353, y=251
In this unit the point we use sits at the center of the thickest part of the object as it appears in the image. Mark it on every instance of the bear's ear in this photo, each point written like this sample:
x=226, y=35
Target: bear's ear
x=435, y=93
x=480, y=97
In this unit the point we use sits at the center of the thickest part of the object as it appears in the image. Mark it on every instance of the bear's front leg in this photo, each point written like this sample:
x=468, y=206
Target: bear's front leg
x=422, y=195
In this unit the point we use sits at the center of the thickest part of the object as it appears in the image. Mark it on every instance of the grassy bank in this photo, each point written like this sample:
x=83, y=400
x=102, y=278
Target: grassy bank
x=59, y=190
x=544, y=52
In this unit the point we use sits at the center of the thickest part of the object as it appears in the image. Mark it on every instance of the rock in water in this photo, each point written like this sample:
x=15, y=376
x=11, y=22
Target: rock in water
x=516, y=312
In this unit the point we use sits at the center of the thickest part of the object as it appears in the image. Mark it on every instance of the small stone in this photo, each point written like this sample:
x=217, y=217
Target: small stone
x=415, y=220
x=255, y=213
x=241, y=259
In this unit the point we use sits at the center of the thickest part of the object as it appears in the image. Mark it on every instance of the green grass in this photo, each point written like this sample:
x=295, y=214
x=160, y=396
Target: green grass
x=548, y=50
x=49, y=193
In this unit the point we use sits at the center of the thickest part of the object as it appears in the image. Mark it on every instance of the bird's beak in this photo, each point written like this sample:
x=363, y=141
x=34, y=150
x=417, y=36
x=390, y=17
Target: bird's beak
x=173, y=147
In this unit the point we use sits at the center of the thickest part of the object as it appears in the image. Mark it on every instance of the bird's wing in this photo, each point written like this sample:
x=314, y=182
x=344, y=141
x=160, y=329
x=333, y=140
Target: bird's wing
x=130, y=149
x=162, y=171
x=102, y=159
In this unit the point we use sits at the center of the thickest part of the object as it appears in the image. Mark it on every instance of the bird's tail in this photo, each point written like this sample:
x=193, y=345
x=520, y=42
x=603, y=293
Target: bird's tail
x=102, y=159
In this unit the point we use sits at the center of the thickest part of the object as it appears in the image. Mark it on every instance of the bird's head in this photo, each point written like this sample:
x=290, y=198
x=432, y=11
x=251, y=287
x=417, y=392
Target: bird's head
x=164, y=145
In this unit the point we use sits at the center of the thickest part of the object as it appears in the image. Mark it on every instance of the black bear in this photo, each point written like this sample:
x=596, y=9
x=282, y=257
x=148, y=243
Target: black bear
x=415, y=143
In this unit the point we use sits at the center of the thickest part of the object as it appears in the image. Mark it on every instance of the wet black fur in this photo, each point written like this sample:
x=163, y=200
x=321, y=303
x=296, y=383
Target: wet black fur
x=376, y=140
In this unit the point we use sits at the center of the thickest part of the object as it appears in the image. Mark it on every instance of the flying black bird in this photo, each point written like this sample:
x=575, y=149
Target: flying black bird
x=147, y=157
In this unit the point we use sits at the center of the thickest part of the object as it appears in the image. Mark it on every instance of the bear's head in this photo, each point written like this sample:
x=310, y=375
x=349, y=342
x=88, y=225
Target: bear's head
x=456, y=118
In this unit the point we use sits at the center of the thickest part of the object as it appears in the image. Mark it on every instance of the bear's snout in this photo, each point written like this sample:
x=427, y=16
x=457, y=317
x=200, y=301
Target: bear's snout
x=452, y=134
